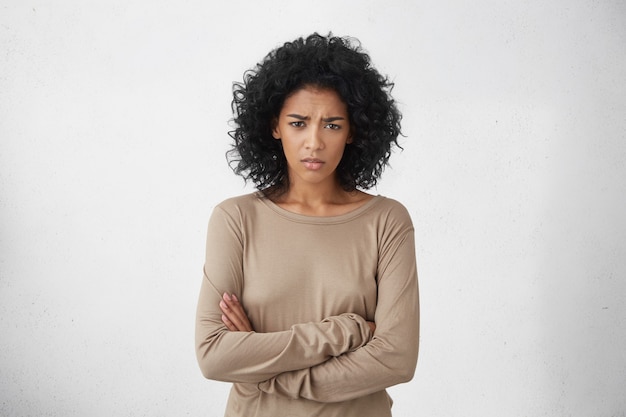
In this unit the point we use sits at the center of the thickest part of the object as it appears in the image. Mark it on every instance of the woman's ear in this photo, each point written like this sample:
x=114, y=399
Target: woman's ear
x=350, y=136
x=275, y=129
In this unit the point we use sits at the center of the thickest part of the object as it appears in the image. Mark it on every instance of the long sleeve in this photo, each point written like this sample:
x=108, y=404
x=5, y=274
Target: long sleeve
x=390, y=357
x=248, y=356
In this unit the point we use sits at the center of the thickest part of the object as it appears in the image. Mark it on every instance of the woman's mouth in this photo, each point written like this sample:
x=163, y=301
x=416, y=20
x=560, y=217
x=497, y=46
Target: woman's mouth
x=312, y=164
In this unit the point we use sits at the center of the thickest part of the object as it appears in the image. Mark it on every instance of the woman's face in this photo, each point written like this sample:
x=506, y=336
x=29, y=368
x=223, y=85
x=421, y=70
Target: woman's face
x=314, y=128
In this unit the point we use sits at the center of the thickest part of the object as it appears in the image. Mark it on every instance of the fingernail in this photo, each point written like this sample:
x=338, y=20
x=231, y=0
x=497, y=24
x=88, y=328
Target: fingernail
x=235, y=297
x=223, y=305
x=226, y=296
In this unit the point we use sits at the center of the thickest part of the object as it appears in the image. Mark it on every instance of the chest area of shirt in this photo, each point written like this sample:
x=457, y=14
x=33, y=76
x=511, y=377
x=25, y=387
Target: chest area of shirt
x=309, y=272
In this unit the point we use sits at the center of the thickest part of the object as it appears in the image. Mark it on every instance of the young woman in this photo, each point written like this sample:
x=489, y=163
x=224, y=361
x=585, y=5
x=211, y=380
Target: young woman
x=309, y=302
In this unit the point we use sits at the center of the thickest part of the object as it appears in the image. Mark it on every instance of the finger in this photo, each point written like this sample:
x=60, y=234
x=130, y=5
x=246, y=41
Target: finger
x=228, y=323
x=230, y=315
x=231, y=306
x=237, y=313
x=242, y=315
x=238, y=319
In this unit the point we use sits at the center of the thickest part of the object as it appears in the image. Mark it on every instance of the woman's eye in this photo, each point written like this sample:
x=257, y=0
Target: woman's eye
x=297, y=124
x=333, y=126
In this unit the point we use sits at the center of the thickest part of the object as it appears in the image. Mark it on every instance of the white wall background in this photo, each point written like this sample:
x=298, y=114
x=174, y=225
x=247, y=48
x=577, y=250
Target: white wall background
x=113, y=121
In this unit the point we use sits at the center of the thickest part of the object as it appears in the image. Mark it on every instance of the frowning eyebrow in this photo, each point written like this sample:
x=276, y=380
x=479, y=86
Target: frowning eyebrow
x=326, y=120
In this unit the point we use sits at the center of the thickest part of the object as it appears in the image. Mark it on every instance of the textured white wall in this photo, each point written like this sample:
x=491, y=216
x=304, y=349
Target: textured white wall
x=113, y=124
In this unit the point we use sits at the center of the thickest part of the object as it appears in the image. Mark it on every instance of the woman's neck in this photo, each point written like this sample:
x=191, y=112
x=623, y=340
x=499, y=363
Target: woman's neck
x=318, y=200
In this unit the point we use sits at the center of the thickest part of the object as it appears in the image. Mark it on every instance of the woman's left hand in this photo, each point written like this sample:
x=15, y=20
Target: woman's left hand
x=234, y=316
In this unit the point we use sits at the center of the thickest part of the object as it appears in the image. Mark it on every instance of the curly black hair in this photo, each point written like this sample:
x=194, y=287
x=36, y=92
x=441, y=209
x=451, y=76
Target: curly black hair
x=323, y=62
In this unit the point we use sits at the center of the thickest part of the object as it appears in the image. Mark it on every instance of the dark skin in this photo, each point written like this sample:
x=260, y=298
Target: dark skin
x=236, y=319
x=234, y=316
x=314, y=128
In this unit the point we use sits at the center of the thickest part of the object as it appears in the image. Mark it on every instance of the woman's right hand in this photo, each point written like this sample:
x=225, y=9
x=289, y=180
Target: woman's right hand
x=233, y=314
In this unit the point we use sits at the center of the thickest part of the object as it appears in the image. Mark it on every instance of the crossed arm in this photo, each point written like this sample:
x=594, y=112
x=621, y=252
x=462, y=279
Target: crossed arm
x=338, y=359
x=246, y=356
x=235, y=318
x=388, y=358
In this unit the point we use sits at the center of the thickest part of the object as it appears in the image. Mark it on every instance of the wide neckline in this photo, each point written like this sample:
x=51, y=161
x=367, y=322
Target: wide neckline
x=305, y=218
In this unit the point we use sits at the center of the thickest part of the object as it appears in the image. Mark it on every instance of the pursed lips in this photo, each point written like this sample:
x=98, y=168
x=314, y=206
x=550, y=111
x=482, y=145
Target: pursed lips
x=312, y=163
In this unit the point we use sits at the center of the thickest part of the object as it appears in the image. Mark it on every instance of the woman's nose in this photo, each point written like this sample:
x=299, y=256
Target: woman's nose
x=314, y=139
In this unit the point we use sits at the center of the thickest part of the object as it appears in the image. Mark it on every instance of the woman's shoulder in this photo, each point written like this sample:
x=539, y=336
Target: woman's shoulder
x=239, y=204
x=239, y=200
x=392, y=212
x=391, y=205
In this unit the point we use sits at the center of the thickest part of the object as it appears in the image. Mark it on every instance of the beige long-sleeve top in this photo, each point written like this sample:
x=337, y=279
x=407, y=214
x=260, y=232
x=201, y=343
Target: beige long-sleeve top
x=309, y=284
